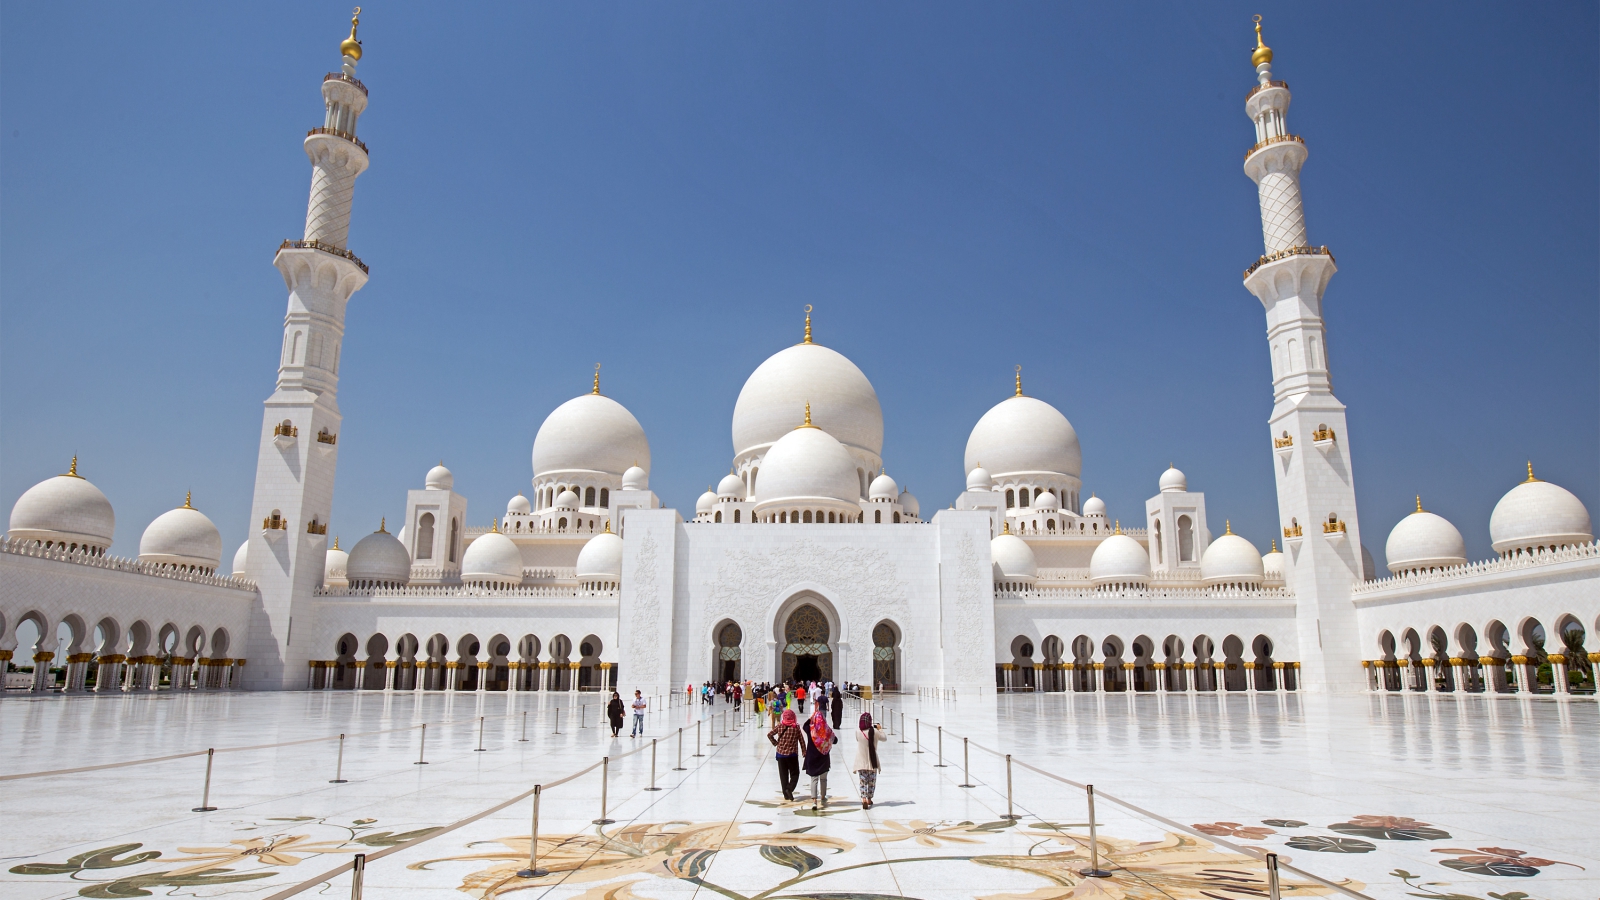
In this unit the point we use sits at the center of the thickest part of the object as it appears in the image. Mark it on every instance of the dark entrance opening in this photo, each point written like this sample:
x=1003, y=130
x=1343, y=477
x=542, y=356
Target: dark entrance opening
x=806, y=669
x=730, y=670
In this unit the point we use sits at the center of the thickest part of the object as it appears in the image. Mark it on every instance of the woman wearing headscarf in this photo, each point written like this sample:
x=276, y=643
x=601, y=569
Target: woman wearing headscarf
x=868, y=736
x=786, y=737
x=614, y=712
x=836, y=707
x=819, y=742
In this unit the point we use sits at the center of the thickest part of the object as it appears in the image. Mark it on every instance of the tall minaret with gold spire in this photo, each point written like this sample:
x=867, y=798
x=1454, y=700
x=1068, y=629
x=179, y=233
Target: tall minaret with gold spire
x=300, y=426
x=1311, y=445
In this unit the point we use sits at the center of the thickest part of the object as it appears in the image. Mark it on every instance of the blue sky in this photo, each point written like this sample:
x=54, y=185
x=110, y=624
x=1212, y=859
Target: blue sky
x=957, y=188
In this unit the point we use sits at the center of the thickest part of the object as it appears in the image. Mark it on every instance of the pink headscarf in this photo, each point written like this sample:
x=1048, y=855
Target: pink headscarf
x=788, y=718
x=821, y=734
x=866, y=721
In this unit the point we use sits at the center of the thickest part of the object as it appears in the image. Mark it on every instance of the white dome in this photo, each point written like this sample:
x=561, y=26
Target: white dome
x=492, y=557
x=1094, y=506
x=1119, y=560
x=1046, y=502
x=567, y=499
x=601, y=558
x=1232, y=560
x=518, y=506
x=704, y=504
x=1424, y=540
x=379, y=559
x=591, y=433
x=979, y=479
x=1013, y=559
x=241, y=559
x=1024, y=435
x=883, y=488
x=66, y=507
x=908, y=502
x=1173, y=480
x=1538, y=514
x=635, y=479
x=807, y=465
x=731, y=486
x=773, y=399
x=334, y=566
x=1272, y=564
x=439, y=479
x=182, y=537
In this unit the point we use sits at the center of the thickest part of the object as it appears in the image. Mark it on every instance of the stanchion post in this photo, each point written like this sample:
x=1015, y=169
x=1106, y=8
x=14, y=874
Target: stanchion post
x=652, y=786
x=966, y=768
x=605, y=778
x=697, y=739
x=205, y=796
x=679, y=766
x=358, y=874
x=524, y=738
x=480, y=735
x=919, y=736
x=712, y=740
x=1094, y=870
x=533, y=870
x=903, y=728
x=338, y=769
x=940, y=764
x=1010, y=812
x=558, y=720
x=422, y=747
x=1273, y=891
x=583, y=717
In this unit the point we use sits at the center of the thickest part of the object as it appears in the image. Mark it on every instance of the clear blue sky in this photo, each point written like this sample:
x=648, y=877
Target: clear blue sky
x=958, y=188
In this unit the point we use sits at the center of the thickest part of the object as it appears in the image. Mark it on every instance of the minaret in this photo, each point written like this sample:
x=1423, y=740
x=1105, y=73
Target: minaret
x=1316, y=487
x=300, y=427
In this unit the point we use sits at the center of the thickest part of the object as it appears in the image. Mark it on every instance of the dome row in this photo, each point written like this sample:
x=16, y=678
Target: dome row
x=1121, y=561
x=1533, y=516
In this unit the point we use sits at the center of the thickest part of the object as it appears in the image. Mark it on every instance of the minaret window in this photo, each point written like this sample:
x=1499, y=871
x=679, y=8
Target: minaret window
x=1185, y=539
x=455, y=535
x=1011, y=498
x=736, y=517
x=588, y=497
x=1023, y=498
x=1155, y=533
x=605, y=497
x=425, y=536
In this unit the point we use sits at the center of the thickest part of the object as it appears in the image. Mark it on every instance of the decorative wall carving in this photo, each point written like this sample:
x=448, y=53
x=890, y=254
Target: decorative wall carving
x=969, y=614
x=646, y=631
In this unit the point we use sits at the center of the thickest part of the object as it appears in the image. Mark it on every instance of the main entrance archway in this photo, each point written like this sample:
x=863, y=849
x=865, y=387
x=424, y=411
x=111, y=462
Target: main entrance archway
x=807, y=655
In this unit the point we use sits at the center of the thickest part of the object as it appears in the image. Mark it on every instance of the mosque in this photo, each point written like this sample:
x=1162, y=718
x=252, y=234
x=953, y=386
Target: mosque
x=808, y=559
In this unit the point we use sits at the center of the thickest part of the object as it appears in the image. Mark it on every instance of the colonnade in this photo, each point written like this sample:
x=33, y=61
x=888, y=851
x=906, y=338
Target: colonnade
x=451, y=676
x=1184, y=677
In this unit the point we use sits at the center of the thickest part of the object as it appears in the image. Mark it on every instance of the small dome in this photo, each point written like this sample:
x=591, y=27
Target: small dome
x=241, y=559
x=635, y=479
x=601, y=559
x=567, y=499
x=1046, y=502
x=1538, y=514
x=807, y=465
x=1424, y=540
x=1272, y=564
x=1013, y=560
x=492, y=558
x=439, y=479
x=1119, y=560
x=908, y=503
x=1023, y=436
x=1094, y=506
x=590, y=433
x=703, y=505
x=518, y=506
x=883, y=488
x=334, y=566
x=731, y=487
x=1232, y=560
x=378, y=560
x=1173, y=480
x=979, y=479
x=66, y=507
x=182, y=537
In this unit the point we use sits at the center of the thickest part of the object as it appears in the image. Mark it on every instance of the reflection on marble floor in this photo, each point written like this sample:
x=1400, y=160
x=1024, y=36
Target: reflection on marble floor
x=1374, y=793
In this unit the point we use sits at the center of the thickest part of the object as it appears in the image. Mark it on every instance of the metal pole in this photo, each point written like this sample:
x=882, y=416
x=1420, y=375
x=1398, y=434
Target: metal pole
x=533, y=870
x=583, y=717
x=919, y=736
x=605, y=777
x=679, y=766
x=1010, y=813
x=966, y=771
x=903, y=728
x=697, y=739
x=205, y=798
x=652, y=786
x=1272, y=876
x=422, y=747
x=524, y=738
x=358, y=873
x=338, y=770
x=480, y=735
x=558, y=720
x=1094, y=870
x=940, y=764
x=712, y=740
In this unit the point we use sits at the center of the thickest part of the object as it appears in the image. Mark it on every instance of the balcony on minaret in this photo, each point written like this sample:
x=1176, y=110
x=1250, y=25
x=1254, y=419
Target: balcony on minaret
x=317, y=529
x=1292, y=533
x=1334, y=527
x=1323, y=438
x=284, y=434
x=274, y=522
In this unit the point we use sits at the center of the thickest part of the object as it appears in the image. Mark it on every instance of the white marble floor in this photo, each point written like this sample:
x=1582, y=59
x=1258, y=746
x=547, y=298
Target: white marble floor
x=1424, y=795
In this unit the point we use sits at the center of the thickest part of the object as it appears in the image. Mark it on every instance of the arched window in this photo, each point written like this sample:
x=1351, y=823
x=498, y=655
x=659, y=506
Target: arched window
x=831, y=519
x=736, y=517
x=605, y=497
x=1155, y=532
x=425, y=536
x=877, y=517
x=455, y=537
x=1185, y=539
x=897, y=518
x=806, y=518
x=588, y=497
x=753, y=473
x=561, y=524
x=783, y=518
x=1011, y=498
x=1050, y=525
x=1023, y=498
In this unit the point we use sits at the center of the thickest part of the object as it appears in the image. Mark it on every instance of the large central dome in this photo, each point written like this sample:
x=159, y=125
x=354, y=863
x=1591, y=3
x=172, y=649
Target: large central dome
x=590, y=433
x=1022, y=436
x=842, y=400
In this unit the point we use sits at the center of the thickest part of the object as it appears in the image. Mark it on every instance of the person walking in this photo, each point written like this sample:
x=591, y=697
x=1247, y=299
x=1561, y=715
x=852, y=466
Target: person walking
x=786, y=737
x=614, y=712
x=819, y=743
x=866, y=766
x=639, y=706
x=836, y=708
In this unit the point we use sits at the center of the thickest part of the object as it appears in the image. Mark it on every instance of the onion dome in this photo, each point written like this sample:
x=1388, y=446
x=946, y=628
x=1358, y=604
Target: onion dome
x=908, y=503
x=1536, y=515
x=241, y=560
x=807, y=467
x=567, y=499
x=704, y=504
x=635, y=479
x=350, y=46
x=1232, y=560
x=1094, y=507
x=979, y=479
x=439, y=479
x=883, y=488
x=334, y=566
x=1424, y=540
x=1119, y=561
x=1272, y=563
x=842, y=400
x=1262, y=54
x=378, y=560
x=1173, y=480
x=66, y=509
x=731, y=487
x=1024, y=436
x=518, y=505
x=600, y=560
x=492, y=559
x=1046, y=502
x=591, y=433
x=182, y=537
x=1014, y=562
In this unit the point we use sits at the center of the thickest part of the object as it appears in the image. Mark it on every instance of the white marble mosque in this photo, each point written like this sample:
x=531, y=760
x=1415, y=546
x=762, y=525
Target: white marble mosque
x=807, y=559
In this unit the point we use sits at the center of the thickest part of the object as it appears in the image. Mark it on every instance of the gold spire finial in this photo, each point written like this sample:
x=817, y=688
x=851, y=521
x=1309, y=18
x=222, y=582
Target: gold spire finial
x=383, y=525
x=1227, y=526
x=1119, y=526
x=1419, y=503
x=350, y=46
x=186, y=496
x=336, y=542
x=808, y=324
x=1530, y=480
x=597, y=378
x=1005, y=527
x=608, y=525
x=1274, y=545
x=1263, y=53
x=72, y=471
x=807, y=422
x=1019, y=381
x=494, y=526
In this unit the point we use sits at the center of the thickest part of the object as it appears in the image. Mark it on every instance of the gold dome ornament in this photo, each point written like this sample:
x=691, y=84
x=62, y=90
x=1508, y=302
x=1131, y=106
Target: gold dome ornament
x=1262, y=54
x=351, y=47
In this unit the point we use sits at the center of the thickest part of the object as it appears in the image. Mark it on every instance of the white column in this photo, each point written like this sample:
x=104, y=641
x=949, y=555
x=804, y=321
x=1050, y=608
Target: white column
x=1249, y=677
x=1558, y=673
x=483, y=677
x=390, y=668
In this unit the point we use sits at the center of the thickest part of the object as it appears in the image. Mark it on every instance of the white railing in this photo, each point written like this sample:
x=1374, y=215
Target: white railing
x=1573, y=553
x=1153, y=592
x=120, y=564
x=440, y=591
